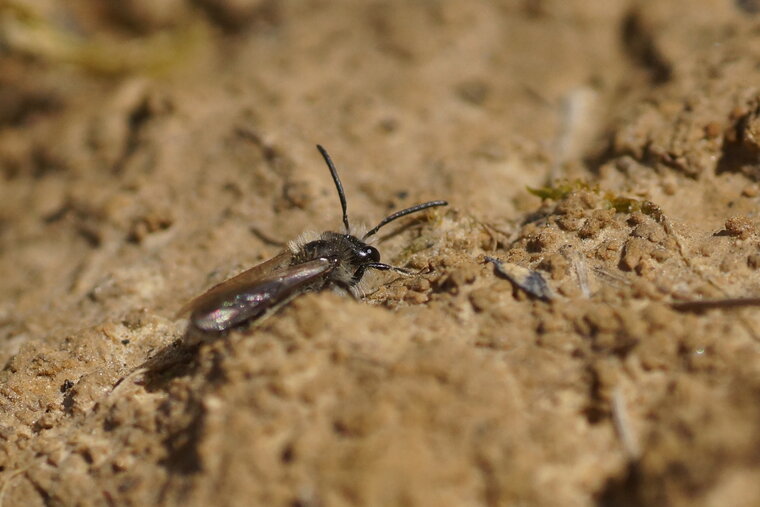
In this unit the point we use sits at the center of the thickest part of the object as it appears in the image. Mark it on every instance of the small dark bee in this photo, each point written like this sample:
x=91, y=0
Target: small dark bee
x=311, y=263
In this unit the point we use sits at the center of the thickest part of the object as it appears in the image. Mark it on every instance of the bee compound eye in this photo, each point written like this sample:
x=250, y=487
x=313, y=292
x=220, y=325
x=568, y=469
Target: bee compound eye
x=372, y=254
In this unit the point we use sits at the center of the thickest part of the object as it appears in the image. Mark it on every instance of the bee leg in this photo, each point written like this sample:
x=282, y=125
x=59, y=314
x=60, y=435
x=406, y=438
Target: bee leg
x=387, y=267
x=266, y=238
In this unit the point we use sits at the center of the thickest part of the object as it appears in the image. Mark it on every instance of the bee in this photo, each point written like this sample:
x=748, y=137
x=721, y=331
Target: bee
x=311, y=263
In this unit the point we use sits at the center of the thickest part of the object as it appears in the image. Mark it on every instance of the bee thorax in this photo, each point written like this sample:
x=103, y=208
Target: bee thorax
x=350, y=255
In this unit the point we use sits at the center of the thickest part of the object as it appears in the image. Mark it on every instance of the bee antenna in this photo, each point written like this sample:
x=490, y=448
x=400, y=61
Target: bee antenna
x=402, y=213
x=338, y=184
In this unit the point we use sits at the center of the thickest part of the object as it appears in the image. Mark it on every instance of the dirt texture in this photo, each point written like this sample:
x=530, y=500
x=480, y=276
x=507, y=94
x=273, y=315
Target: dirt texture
x=149, y=150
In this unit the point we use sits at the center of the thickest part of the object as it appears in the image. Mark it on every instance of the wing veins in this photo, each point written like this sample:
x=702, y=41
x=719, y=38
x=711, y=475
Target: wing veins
x=237, y=300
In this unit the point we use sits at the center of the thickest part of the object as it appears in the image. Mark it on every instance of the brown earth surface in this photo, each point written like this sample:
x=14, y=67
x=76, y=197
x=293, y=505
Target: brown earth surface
x=149, y=150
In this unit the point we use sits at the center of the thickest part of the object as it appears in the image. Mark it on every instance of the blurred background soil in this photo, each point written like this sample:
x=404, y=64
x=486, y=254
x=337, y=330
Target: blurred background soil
x=151, y=149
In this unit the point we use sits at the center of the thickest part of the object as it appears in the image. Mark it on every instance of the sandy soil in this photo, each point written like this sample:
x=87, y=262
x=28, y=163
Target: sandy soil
x=149, y=150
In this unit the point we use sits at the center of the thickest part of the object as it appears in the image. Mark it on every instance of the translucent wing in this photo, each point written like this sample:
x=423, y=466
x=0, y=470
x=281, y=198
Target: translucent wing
x=238, y=282
x=251, y=293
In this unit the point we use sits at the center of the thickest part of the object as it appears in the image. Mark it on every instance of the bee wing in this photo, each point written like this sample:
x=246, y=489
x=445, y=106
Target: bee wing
x=246, y=297
x=238, y=282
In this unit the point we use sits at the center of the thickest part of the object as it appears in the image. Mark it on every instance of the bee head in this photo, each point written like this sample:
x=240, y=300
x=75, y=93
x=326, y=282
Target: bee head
x=368, y=253
x=358, y=256
x=359, y=252
x=355, y=255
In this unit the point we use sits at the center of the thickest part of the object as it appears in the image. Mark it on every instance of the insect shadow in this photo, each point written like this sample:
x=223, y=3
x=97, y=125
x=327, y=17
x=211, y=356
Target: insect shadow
x=311, y=263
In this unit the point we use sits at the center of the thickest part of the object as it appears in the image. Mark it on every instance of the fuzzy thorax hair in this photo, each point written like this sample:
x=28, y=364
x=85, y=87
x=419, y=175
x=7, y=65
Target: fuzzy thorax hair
x=296, y=245
x=349, y=271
